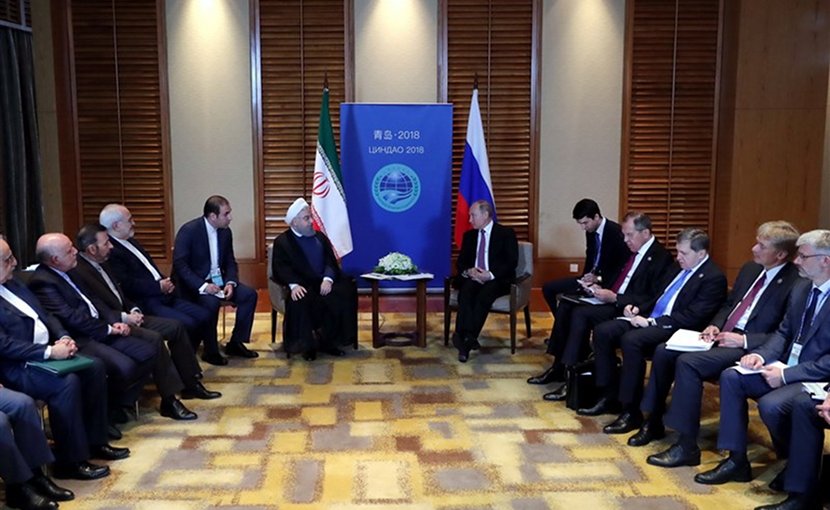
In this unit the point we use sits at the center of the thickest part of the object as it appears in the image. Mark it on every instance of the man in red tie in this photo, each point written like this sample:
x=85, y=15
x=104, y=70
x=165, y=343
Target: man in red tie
x=485, y=267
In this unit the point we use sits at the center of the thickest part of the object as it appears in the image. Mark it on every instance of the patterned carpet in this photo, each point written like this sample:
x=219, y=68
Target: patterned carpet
x=403, y=428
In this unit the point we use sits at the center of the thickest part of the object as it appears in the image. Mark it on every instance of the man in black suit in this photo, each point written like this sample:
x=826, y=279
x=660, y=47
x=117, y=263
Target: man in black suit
x=799, y=351
x=755, y=306
x=691, y=297
x=605, y=254
x=102, y=334
x=637, y=283
x=485, y=267
x=205, y=268
x=77, y=402
x=322, y=312
x=95, y=279
x=144, y=283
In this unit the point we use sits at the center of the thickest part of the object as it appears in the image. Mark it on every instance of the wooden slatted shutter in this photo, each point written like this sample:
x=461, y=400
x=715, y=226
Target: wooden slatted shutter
x=301, y=42
x=494, y=40
x=670, y=112
x=16, y=13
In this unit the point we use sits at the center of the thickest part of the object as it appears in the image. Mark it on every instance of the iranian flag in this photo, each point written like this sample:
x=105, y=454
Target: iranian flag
x=328, y=199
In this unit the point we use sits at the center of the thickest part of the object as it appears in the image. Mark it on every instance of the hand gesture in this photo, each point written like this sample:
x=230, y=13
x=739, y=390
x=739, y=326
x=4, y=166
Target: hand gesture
x=298, y=293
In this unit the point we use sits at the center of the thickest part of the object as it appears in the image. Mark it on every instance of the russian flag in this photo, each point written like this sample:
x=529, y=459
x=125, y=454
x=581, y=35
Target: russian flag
x=475, y=173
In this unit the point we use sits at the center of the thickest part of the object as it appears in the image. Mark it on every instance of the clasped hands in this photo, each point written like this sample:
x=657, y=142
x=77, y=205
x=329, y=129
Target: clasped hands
x=477, y=274
x=299, y=292
x=214, y=289
x=63, y=348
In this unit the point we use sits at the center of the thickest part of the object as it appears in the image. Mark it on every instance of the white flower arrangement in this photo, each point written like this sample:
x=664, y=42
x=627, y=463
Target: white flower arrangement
x=396, y=264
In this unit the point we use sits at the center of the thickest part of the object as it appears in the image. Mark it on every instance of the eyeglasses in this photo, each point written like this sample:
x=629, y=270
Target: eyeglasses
x=802, y=256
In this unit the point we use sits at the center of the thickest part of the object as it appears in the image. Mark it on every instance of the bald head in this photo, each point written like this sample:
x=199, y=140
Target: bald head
x=56, y=251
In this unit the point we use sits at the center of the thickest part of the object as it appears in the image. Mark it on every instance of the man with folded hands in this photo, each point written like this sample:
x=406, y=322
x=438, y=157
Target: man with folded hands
x=754, y=308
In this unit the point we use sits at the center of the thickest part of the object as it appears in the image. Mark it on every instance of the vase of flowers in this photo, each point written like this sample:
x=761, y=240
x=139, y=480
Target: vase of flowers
x=396, y=264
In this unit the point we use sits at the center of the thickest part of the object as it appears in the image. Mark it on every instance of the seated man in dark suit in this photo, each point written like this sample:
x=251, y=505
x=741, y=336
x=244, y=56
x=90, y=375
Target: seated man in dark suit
x=322, y=312
x=23, y=453
x=605, y=254
x=637, y=282
x=691, y=297
x=205, y=268
x=77, y=402
x=754, y=308
x=155, y=293
x=801, y=345
x=94, y=278
x=100, y=333
x=485, y=268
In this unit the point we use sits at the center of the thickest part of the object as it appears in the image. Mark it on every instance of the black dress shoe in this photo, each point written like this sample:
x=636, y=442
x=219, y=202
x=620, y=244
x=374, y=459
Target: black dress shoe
x=626, y=422
x=794, y=501
x=173, y=408
x=648, y=432
x=675, y=456
x=239, y=349
x=553, y=374
x=729, y=470
x=113, y=432
x=109, y=452
x=777, y=483
x=463, y=354
x=26, y=497
x=215, y=359
x=310, y=355
x=80, y=471
x=199, y=391
x=557, y=395
x=334, y=351
x=46, y=487
x=603, y=406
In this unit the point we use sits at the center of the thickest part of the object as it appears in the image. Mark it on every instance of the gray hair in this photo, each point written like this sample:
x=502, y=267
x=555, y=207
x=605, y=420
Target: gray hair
x=818, y=239
x=697, y=238
x=641, y=220
x=110, y=214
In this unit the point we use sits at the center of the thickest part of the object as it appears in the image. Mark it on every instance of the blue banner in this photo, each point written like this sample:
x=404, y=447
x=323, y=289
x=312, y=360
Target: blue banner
x=397, y=171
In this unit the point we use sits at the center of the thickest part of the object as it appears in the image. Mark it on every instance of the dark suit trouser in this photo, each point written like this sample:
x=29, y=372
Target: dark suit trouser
x=773, y=406
x=195, y=319
x=550, y=290
x=77, y=406
x=165, y=375
x=637, y=344
x=23, y=445
x=806, y=444
x=474, y=302
x=245, y=299
x=583, y=320
x=129, y=362
x=178, y=342
x=688, y=370
x=333, y=317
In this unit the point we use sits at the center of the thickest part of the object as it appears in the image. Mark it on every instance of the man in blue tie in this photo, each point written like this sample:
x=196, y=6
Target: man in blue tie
x=691, y=296
x=799, y=351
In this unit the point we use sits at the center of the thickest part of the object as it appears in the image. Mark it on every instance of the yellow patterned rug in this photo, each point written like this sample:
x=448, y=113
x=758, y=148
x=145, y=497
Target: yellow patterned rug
x=404, y=428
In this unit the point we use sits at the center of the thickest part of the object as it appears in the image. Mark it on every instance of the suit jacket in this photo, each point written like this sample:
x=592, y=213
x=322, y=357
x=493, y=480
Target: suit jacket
x=17, y=329
x=289, y=263
x=60, y=299
x=613, y=252
x=135, y=279
x=645, y=282
x=697, y=301
x=191, y=255
x=93, y=284
x=503, y=255
x=768, y=312
x=814, y=361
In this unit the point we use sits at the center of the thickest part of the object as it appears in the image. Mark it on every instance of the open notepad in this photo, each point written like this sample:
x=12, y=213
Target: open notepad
x=686, y=340
x=745, y=371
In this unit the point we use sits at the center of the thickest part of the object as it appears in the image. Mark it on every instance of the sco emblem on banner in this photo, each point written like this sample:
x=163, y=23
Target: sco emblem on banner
x=396, y=187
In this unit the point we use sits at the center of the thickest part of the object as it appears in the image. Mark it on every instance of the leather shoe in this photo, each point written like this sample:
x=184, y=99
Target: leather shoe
x=648, y=432
x=113, y=432
x=777, y=483
x=109, y=452
x=552, y=374
x=310, y=355
x=729, y=470
x=557, y=395
x=173, y=408
x=463, y=354
x=46, y=487
x=675, y=456
x=215, y=359
x=26, y=497
x=603, y=406
x=199, y=391
x=626, y=422
x=334, y=351
x=80, y=471
x=794, y=501
x=239, y=349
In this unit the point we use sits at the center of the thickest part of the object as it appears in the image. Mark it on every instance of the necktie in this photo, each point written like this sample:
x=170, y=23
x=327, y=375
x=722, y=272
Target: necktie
x=481, y=263
x=745, y=303
x=663, y=303
x=598, y=247
x=109, y=282
x=623, y=273
x=806, y=322
x=92, y=310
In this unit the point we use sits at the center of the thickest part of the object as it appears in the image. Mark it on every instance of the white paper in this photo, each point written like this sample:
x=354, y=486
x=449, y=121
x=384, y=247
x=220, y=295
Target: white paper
x=686, y=340
x=816, y=390
x=746, y=371
x=591, y=301
x=400, y=277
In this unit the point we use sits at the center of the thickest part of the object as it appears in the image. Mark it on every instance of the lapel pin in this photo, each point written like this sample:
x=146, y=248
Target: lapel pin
x=700, y=275
x=779, y=281
x=649, y=259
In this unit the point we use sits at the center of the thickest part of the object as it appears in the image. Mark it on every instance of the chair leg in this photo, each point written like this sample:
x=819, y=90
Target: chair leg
x=527, y=321
x=512, y=331
x=447, y=319
x=224, y=326
x=273, y=325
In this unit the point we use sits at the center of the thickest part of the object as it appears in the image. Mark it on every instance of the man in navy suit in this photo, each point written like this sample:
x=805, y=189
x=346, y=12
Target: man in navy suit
x=799, y=351
x=605, y=254
x=145, y=284
x=205, y=267
x=485, y=268
x=77, y=402
x=637, y=282
x=691, y=297
x=755, y=307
